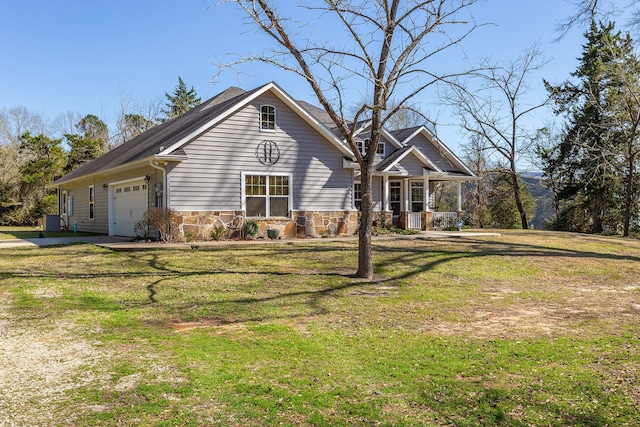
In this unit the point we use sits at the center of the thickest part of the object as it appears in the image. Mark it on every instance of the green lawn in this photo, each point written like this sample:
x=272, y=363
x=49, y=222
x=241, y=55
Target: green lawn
x=525, y=329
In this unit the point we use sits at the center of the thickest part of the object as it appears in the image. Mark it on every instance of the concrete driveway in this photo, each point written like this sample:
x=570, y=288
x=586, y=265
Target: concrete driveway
x=52, y=241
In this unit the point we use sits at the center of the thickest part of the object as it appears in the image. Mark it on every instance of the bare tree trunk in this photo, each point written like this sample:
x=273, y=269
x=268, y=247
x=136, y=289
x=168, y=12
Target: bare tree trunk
x=365, y=258
x=596, y=215
x=629, y=195
x=516, y=195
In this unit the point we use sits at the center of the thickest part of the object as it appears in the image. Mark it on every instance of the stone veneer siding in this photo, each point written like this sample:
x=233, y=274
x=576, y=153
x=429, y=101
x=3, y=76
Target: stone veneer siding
x=301, y=224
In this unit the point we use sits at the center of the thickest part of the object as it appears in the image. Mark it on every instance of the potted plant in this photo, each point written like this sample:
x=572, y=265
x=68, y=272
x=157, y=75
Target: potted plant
x=273, y=233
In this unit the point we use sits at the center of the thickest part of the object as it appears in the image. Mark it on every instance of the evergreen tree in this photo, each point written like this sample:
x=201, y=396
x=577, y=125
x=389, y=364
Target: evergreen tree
x=134, y=125
x=586, y=161
x=91, y=127
x=625, y=104
x=44, y=163
x=90, y=143
x=181, y=101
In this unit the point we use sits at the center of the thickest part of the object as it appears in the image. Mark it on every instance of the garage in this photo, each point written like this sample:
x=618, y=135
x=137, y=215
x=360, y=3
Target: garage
x=130, y=201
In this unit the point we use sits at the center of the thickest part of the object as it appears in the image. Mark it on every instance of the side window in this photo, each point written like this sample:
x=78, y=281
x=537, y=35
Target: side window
x=91, y=200
x=362, y=146
x=357, y=195
x=267, y=117
x=267, y=195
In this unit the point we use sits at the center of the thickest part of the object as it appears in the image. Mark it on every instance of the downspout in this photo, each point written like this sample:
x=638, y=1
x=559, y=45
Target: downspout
x=165, y=191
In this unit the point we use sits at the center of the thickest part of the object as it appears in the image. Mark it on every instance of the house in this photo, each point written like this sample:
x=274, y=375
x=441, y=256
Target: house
x=260, y=155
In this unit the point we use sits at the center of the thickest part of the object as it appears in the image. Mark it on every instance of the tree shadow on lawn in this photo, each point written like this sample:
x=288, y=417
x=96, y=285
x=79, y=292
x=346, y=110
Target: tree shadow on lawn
x=414, y=258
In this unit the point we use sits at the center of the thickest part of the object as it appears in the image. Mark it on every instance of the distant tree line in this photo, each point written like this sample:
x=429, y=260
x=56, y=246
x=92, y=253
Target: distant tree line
x=33, y=152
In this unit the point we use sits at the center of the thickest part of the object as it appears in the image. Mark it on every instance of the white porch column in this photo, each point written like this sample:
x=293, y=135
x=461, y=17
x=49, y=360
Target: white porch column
x=426, y=195
x=459, y=196
x=385, y=191
x=407, y=193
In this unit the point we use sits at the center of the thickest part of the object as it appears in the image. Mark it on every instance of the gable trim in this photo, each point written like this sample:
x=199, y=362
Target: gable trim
x=416, y=152
x=446, y=151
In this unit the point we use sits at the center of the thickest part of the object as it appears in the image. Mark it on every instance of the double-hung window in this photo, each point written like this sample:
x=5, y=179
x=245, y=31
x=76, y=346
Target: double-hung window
x=362, y=146
x=91, y=201
x=267, y=195
x=65, y=196
x=417, y=196
x=267, y=117
x=357, y=195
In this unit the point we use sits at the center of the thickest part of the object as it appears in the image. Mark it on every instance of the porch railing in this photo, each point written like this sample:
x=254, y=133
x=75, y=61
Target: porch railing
x=442, y=220
x=415, y=221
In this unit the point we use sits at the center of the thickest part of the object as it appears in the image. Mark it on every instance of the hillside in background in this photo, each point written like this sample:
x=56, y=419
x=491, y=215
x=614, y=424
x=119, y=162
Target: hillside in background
x=543, y=197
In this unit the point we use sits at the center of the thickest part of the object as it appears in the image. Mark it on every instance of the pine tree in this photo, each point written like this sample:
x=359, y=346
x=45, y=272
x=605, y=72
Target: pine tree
x=90, y=143
x=44, y=162
x=586, y=161
x=181, y=101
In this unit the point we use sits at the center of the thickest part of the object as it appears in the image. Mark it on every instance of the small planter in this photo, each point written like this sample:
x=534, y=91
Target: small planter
x=273, y=234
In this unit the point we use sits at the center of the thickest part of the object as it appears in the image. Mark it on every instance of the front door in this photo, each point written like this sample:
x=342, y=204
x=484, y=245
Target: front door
x=395, y=200
x=417, y=204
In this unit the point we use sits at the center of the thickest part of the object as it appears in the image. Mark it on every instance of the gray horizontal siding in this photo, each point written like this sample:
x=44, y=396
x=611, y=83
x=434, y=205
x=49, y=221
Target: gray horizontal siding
x=211, y=177
x=80, y=192
x=410, y=165
x=433, y=153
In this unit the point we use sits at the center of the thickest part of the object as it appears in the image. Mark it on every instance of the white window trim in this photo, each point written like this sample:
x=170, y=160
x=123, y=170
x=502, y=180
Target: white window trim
x=92, y=212
x=244, y=195
x=70, y=205
x=65, y=203
x=275, y=117
x=354, y=194
x=366, y=141
x=411, y=201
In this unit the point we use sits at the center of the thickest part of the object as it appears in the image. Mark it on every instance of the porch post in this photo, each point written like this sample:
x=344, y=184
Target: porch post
x=407, y=192
x=426, y=195
x=385, y=191
x=459, y=196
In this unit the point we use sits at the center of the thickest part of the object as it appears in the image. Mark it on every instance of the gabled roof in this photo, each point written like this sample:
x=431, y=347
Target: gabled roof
x=150, y=142
x=407, y=135
x=394, y=158
x=168, y=139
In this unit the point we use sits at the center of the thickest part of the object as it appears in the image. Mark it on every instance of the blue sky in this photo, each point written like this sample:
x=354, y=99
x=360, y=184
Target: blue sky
x=80, y=56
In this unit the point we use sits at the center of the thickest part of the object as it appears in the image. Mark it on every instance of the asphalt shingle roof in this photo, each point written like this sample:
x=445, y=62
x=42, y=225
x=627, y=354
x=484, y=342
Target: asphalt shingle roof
x=149, y=142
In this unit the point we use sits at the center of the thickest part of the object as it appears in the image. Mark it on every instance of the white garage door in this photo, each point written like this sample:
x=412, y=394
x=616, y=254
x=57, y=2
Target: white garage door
x=129, y=206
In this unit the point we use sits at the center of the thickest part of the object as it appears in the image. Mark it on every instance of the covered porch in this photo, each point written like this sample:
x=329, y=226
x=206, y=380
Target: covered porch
x=408, y=202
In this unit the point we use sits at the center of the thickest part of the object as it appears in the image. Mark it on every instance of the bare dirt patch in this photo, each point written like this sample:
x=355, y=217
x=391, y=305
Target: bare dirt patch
x=38, y=367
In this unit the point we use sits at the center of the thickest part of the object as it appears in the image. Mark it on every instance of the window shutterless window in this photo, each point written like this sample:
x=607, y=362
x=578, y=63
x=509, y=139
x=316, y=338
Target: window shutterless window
x=267, y=117
x=417, y=196
x=266, y=195
x=357, y=195
x=91, y=201
x=362, y=146
x=64, y=203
